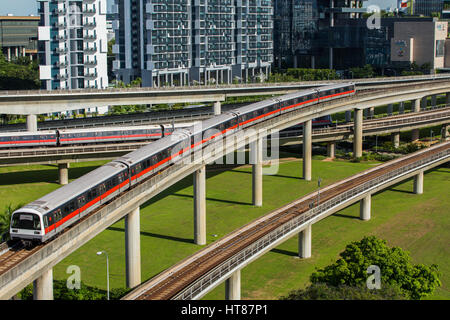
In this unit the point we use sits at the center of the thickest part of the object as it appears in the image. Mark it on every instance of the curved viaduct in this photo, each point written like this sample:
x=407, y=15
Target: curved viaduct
x=38, y=263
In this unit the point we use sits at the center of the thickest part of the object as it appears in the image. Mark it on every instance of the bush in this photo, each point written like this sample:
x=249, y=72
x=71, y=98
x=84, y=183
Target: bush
x=323, y=291
x=61, y=292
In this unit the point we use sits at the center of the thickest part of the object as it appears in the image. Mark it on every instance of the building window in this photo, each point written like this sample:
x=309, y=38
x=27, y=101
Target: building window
x=440, y=48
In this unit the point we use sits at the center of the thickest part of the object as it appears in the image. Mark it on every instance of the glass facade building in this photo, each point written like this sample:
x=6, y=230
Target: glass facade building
x=307, y=31
x=177, y=42
x=427, y=7
x=18, y=36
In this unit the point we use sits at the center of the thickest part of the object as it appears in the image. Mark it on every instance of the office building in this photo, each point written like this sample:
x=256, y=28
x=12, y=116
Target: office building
x=73, y=44
x=18, y=36
x=419, y=42
x=179, y=42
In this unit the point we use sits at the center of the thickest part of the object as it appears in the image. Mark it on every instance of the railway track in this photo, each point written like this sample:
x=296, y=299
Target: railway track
x=177, y=281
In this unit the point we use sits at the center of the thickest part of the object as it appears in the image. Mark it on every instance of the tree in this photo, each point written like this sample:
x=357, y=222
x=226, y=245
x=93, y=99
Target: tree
x=322, y=291
x=5, y=220
x=414, y=281
x=19, y=74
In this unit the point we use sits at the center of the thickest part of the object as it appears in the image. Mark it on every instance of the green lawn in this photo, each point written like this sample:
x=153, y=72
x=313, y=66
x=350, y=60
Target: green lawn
x=416, y=223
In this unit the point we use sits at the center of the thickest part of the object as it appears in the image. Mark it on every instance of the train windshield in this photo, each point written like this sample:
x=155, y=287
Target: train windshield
x=28, y=221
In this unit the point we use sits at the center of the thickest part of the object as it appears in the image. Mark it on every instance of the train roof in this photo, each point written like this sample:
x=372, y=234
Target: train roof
x=27, y=133
x=152, y=148
x=60, y=196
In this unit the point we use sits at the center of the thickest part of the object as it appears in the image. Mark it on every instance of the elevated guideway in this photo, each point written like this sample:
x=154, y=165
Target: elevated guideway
x=344, y=132
x=44, y=101
x=222, y=260
x=37, y=264
x=32, y=103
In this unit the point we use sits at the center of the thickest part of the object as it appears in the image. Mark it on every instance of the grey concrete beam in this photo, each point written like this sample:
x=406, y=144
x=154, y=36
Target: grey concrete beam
x=358, y=134
x=63, y=171
x=233, y=286
x=364, y=207
x=217, y=108
x=200, y=206
x=43, y=286
x=133, y=248
x=307, y=149
x=418, y=183
x=331, y=146
x=396, y=139
x=415, y=105
x=256, y=158
x=31, y=122
x=304, y=243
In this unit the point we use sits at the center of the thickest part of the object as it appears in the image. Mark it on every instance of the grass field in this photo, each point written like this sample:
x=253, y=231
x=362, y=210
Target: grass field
x=418, y=223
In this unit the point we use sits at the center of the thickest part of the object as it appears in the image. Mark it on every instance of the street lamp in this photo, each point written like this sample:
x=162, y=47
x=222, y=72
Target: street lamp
x=318, y=191
x=107, y=272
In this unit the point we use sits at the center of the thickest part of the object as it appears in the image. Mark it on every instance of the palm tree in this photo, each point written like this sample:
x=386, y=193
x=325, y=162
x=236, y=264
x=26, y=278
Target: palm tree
x=5, y=219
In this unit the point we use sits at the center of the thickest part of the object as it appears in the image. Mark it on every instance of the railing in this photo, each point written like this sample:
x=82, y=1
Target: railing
x=216, y=274
x=226, y=86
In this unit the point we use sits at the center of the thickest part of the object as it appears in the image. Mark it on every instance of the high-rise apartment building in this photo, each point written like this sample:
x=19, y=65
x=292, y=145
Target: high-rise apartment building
x=73, y=44
x=178, y=42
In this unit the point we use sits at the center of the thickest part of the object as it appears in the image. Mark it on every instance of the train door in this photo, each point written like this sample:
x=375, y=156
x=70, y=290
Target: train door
x=81, y=203
x=57, y=217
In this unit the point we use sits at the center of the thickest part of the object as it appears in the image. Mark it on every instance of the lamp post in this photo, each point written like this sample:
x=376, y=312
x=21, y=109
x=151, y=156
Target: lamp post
x=318, y=191
x=107, y=272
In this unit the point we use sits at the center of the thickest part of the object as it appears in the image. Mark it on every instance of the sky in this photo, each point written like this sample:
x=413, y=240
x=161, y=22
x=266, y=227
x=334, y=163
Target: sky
x=27, y=7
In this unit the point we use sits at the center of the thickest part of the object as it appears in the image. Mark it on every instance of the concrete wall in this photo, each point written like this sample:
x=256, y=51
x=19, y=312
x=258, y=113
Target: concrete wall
x=422, y=37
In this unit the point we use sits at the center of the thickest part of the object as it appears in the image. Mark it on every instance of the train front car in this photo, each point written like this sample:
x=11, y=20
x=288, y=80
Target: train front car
x=27, y=225
x=66, y=205
x=27, y=139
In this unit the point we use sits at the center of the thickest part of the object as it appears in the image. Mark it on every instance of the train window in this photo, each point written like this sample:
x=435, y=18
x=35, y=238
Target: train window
x=81, y=201
x=45, y=222
x=155, y=159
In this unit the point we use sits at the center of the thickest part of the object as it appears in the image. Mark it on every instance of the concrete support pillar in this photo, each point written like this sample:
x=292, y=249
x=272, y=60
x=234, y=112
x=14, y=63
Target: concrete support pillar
x=433, y=101
x=348, y=116
x=396, y=139
x=43, y=286
x=401, y=108
x=371, y=112
x=307, y=149
x=444, y=132
x=133, y=248
x=257, y=175
x=424, y=103
x=233, y=286
x=390, y=108
x=418, y=183
x=357, y=131
x=200, y=206
x=364, y=207
x=31, y=122
x=415, y=105
x=415, y=134
x=217, y=108
x=63, y=170
x=304, y=243
x=331, y=146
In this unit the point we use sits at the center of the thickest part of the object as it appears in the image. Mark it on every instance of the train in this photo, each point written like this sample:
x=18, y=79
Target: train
x=45, y=218
x=65, y=137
